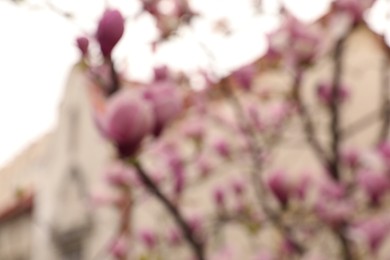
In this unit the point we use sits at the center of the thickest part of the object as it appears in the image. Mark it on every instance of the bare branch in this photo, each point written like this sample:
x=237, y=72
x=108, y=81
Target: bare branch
x=196, y=245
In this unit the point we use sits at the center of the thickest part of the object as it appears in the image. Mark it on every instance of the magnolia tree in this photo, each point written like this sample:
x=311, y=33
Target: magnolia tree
x=207, y=157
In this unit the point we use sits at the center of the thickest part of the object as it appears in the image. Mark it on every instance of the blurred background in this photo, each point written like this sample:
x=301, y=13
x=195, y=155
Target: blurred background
x=51, y=155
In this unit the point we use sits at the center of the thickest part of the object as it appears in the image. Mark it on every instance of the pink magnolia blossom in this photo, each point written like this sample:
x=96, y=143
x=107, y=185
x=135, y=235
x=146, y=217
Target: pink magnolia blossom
x=182, y=10
x=219, y=197
x=254, y=117
x=151, y=6
x=174, y=237
x=244, y=76
x=194, y=129
x=384, y=151
x=179, y=182
x=278, y=114
x=279, y=185
x=374, y=184
x=126, y=121
x=119, y=247
x=351, y=158
x=175, y=162
x=196, y=224
x=222, y=148
x=238, y=187
x=82, y=44
x=161, y=73
x=374, y=231
x=121, y=175
x=353, y=8
x=324, y=93
x=302, y=184
x=203, y=165
x=166, y=101
x=110, y=30
x=264, y=255
x=148, y=238
x=296, y=43
x=328, y=189
x=176, y=165
x=334, y=213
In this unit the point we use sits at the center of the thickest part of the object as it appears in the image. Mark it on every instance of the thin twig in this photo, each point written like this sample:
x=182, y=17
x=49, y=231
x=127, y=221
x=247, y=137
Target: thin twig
x=334, y=128
x=196, y=245
x=334, y=110
x=258, y=183
x=308, y=126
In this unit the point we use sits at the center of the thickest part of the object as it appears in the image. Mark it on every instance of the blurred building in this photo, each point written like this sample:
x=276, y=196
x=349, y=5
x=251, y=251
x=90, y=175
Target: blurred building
x=44, y=212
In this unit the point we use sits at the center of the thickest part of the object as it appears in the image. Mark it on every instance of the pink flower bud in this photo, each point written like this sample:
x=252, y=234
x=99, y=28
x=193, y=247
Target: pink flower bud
x=351, y=158
x=354, y=8
x=288, y=246
x=374, y=231
x=182, y=10
x=255, y=118
x=238, y=187
x=179, y=183
x=279, y=185
x=82, y=44
x=331, y=190
x=302, y=185
x=219, y=197
x=244, y=76
x=110, y=30
x=127, y=120
x=167, y=103
x=175, y=163
x=334, y=213
x=264, y=255
x=118, y=247
x=374, y=184
x=222, y=148
x=194, y=129
x=295, y=42
x=195, y=223
x=278, y=114
x=151, y=6
x=174, y=237
x=148, y=238
x=120, y=175
x=324, y=93
x=161, y=73
x=203, y=165
x=384, y=151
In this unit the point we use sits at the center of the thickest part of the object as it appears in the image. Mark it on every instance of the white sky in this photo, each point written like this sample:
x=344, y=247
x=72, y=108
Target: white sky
x=37, y=51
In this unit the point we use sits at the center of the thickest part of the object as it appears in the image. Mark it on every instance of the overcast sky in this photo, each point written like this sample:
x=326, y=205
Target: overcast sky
x=37, y=51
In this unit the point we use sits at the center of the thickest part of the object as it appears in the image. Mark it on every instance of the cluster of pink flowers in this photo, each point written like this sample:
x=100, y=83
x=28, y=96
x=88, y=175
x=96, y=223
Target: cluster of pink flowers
x=295, y=43
x=191, y=136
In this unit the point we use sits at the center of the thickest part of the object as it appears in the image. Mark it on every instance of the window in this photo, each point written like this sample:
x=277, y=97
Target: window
x=72, y=218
